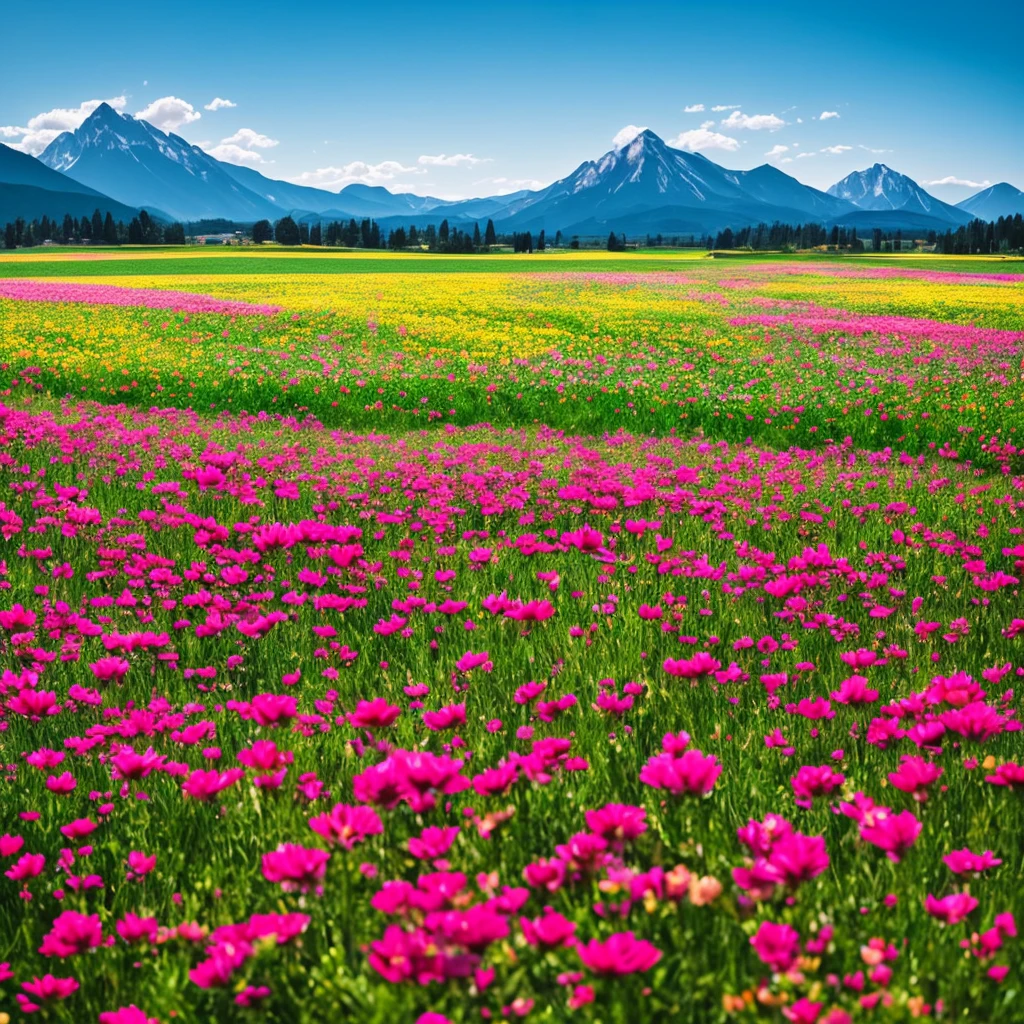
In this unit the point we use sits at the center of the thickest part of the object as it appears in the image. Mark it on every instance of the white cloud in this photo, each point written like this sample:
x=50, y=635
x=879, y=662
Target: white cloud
x=694, y=108
x=804, y=156
x=707, y=124
x=335, y=178
x=949, y=179
x=241, y=148
x=455, y=160
x=624, y=136
x=827, y=115
x=698, y=139
x=42, y=129
x=868, y=149
x=753, y=122
x=776, y=151
x=232, y=154
x=168, y=113
x=799, y=120
x=217, y=104
x=724, y=106
x=836, y=150
x=250, y=139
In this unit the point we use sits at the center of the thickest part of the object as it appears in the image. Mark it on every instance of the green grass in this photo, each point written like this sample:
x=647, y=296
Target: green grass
x=169, y=261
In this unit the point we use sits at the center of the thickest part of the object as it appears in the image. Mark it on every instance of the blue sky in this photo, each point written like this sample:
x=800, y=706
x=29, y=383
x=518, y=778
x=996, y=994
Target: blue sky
x=467, y=99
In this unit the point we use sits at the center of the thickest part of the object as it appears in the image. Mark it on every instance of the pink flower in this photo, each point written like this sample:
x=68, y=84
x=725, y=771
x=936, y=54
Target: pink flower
x=28, y=865
x=64, y=783
x=10, y=845
x=294, y=867
x=777, y=945
x=617, y=822
x=140, y=863
x=133, y=928
x=691, y=773
x=373, y=714
x=893, y=833
x=701, y=664
x=46, y=989
x=205, y=785
x=811, y=781
x=914, y=776
x=950, y=909
x=347, y=825
x=470, y=661
x=963, y=861
x=110, y=669
x=548, y=931
x=621, y=953
x=432, y=842
x=72, y=933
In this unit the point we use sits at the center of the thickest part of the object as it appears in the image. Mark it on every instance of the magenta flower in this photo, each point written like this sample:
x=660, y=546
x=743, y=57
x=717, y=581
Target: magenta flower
x=295, y=868
x=950, y=909
x=373, y=714
x=72, y=933
x=621, y=953
x=548, y=931
x=432, y=842
x=111, y=669
x=691, y=773
x=963, y=861
x=811, y=781
x=204, y=785
x=126, y=1015
x=133, y=928
x=347, y=825
x=617, y=823
x=46, y=989
x=893, y=833
x=778, y=945
x=914, y=776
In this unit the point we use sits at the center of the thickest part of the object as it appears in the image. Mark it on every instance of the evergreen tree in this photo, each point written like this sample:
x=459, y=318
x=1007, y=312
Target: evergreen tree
x=558, y=239
x=541, y=242
x=414, y=237
x=262, y=232
x=10, y=239
x=489, y=237
x=304, y=233
x=68, y=229
x=96, y=226
x=476, y=236
x=110, y=230
x=442, y=232
x=286, y=231
x=174, y=234
x=316, y=234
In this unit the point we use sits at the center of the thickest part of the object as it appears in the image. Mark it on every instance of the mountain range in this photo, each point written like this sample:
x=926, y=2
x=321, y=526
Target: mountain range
x=123, y=163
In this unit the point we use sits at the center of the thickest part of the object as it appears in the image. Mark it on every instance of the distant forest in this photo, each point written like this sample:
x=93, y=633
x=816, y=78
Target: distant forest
x=1005, y=235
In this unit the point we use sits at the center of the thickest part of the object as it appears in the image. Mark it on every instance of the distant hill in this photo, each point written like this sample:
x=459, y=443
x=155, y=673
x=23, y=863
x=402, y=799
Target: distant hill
x=1002, y=200
x=645, y=185
x=879, y=188
x=140, y=165
x=29, y=189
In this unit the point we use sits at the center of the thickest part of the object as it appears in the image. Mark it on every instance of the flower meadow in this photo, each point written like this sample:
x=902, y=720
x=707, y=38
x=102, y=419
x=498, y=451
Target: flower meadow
x=648, y=649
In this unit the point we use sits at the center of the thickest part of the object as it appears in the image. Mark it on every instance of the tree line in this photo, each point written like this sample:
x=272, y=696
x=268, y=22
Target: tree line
x=97, y=229
x=1003, y=235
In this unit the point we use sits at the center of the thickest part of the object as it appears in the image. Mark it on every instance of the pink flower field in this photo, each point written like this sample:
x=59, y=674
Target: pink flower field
x=437, y=720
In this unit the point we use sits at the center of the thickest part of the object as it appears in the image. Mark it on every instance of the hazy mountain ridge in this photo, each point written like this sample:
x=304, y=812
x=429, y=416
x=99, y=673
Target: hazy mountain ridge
x=644, y=186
